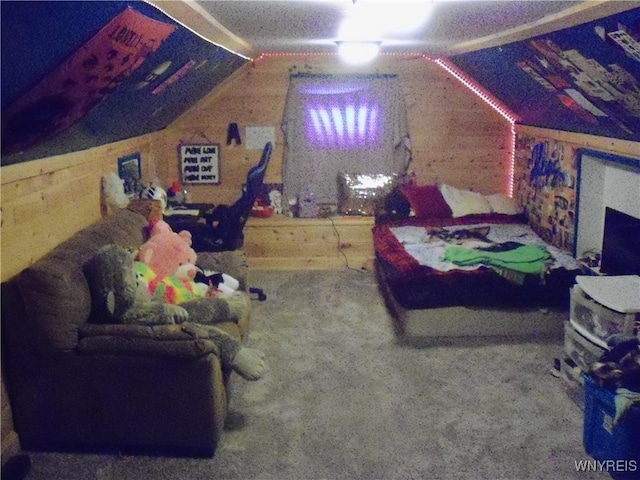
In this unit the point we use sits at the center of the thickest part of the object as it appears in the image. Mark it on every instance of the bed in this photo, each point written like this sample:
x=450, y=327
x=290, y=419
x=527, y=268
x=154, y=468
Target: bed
x=474, y=255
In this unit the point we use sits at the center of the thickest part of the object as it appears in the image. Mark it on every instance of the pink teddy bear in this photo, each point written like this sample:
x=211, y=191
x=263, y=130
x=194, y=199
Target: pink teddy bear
x=169, y=253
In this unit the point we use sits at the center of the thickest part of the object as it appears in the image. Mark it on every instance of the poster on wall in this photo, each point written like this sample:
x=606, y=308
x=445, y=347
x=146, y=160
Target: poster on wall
x=200, y=163
x=583, y=79
x=258, y=137
x=82, y=81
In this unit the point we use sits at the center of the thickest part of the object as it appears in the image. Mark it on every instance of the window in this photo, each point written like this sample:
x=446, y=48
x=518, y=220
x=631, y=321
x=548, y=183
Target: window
x=341, y=124
x=347, y=120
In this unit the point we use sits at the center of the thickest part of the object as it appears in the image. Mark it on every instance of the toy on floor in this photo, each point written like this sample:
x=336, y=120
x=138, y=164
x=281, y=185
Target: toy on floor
x=118, y=297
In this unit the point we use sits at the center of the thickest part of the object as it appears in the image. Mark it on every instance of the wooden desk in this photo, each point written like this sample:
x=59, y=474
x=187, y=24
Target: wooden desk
x=284, y=243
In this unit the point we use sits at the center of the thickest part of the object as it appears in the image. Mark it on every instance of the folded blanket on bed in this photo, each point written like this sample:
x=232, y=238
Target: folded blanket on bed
x=514, y=264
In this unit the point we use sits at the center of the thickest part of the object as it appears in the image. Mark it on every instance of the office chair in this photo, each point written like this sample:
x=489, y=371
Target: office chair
x=224, y=228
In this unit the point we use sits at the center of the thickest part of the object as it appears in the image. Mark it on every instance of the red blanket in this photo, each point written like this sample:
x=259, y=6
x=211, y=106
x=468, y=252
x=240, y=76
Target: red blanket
x=388, y=248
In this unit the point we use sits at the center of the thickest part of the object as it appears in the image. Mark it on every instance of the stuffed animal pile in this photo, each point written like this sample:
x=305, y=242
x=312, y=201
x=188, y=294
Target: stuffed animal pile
x=168, y=265
x=118, y=297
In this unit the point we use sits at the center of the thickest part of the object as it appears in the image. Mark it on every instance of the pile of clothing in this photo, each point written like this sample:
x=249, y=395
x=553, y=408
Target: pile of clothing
x=619, y=369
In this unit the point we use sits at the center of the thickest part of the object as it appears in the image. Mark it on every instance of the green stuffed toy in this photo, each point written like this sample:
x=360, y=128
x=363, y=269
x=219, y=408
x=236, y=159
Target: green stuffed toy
x=118, y=297
x=171, y=289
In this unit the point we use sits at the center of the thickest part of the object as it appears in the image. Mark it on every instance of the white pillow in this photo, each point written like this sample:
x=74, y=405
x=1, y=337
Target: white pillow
x=464, y=202
x=503, y=204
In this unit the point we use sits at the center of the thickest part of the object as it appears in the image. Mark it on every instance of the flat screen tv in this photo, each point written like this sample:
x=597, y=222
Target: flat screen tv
x=620, y=244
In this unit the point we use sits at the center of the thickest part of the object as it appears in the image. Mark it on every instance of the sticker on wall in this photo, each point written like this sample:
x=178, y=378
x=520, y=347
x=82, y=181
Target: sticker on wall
x=200, y=163
x=76, y=86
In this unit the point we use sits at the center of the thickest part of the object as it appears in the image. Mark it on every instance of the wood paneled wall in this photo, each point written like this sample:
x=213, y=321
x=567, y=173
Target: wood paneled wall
x=46, y=201
x=456, y=137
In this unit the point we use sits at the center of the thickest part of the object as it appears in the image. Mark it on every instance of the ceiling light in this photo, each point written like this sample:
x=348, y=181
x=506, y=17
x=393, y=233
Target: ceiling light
x=377, y=18
x=358, y=52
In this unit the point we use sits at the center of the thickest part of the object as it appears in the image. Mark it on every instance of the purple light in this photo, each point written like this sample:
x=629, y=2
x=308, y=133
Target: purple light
x=327, y=131
x=350, y=117
x=362, y=125
x=317, y=126
x=343, y=121
x=372, y=131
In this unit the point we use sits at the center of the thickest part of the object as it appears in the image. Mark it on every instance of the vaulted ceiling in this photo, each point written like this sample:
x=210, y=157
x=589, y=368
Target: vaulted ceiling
x=65, y=87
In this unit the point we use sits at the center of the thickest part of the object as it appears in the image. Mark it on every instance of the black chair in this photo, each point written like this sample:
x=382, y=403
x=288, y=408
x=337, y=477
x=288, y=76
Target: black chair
x=226, y=222
x=224, y=228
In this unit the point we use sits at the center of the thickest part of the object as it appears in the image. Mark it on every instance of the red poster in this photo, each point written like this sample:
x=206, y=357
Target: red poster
x=73, y=88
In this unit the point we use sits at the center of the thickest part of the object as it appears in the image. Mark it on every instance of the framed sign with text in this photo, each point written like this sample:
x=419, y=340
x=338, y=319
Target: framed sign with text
x=200, y=163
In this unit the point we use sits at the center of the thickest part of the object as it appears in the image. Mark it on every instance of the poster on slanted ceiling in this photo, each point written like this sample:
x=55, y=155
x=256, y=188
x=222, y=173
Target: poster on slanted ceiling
x=200, y=163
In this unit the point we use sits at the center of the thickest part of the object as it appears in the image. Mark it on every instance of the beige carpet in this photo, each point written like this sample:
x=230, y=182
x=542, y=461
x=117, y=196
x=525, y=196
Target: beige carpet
x=343, y=399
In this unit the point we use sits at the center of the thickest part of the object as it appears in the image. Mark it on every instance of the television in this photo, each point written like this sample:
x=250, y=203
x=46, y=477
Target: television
x=620, y=244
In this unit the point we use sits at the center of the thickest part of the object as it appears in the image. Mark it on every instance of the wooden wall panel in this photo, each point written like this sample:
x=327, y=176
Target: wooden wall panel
x=46, y=201
x=456, y=137
x=283, y=243
x=451, y=128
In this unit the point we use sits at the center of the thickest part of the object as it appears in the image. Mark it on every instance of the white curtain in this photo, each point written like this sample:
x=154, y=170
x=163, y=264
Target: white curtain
x=342, y=124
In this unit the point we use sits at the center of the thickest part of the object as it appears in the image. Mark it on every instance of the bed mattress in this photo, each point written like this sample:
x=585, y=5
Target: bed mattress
x=415, y=284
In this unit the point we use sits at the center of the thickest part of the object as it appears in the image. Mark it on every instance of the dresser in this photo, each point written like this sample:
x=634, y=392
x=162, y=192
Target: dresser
x=601, y=306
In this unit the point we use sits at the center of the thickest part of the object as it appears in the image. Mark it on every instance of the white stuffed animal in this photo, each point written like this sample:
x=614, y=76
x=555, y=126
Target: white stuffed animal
x=113, y=191
x=275, y=198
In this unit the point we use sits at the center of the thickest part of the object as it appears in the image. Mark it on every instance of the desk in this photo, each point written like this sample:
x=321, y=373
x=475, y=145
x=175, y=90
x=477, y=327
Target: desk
x=189, y=209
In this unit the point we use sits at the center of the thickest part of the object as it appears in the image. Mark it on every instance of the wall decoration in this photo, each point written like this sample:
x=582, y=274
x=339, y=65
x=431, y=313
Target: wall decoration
x=584, y=79
x=130, y=171
x=174, y=78
x=200, y=163
x=77, y=85
x=37, y=41
x=545, y=181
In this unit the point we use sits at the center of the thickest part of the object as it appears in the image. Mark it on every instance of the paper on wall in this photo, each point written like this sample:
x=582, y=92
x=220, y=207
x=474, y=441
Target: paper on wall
x=257, y=137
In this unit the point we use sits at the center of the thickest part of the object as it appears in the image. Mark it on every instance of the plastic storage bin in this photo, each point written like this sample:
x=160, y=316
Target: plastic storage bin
x=572, y=381
x=596, y=321
x=618, y=445
x=580, y=349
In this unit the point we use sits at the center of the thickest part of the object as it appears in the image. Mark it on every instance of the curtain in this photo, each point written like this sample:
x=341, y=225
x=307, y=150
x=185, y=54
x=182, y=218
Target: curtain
x=342, y=124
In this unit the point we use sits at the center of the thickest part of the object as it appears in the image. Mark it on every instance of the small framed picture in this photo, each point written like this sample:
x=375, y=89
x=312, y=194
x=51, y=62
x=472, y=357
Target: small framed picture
x=130, y=171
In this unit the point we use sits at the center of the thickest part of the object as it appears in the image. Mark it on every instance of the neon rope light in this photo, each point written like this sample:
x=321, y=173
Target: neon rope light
x=182, y=24
x=493, y=103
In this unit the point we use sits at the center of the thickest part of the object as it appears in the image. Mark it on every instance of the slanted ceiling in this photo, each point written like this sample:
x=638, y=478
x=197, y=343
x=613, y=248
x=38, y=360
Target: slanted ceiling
x=81, y=74
x=582, y=79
